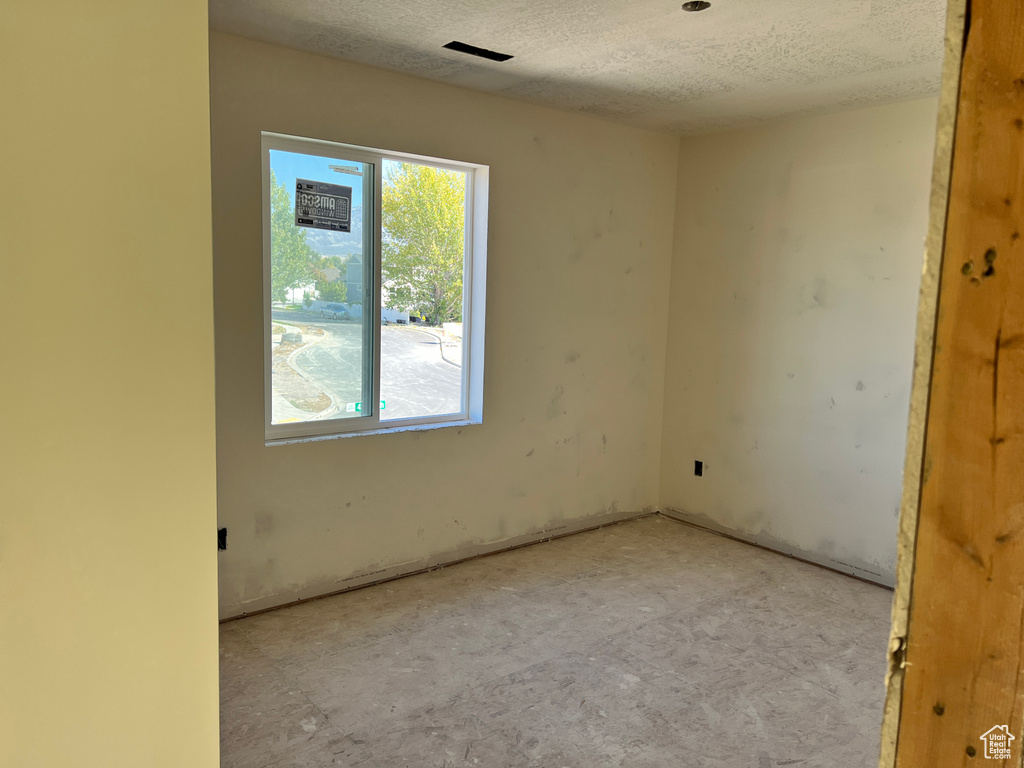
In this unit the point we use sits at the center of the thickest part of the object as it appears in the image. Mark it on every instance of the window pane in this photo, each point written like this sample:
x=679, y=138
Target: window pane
x=318, y=268
x=423, y=236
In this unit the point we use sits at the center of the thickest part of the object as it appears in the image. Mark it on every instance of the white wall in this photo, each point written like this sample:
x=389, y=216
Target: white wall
x=581, y=227
x=108, y=600
x=795, y=272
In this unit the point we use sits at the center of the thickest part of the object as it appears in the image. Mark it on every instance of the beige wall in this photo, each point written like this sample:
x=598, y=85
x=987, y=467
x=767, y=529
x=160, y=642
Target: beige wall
x=794, y=282
x=108, y=633
x=794, y=271
x=580, y=244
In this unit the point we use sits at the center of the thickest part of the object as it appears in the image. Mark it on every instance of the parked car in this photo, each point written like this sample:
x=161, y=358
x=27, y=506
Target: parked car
x=335, y=311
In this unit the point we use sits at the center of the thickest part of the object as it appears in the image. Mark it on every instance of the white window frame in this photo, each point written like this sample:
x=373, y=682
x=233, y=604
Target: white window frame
x=474, y=282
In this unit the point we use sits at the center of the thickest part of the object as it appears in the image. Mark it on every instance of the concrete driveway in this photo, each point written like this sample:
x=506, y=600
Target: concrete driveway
x=415, y=380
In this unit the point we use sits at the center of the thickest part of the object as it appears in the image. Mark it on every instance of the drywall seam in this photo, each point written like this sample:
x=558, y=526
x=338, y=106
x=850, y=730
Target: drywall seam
x=863, y=571
x=668, y=331
x=923, y=353
x=330, y=588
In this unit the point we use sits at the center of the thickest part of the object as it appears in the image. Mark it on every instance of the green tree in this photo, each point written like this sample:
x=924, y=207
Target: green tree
x=423, y=229
x=337, y=262
x=291, y=257
x=335, y=291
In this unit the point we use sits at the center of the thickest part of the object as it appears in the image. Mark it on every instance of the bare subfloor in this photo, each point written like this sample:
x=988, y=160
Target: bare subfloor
x=647, y=644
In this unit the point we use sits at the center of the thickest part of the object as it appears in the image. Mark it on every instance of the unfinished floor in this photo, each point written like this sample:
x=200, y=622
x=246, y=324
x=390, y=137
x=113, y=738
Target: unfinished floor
x=644, y=644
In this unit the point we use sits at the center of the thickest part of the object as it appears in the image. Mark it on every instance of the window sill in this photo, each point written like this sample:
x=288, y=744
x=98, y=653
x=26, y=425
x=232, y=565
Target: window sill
x=271, y=442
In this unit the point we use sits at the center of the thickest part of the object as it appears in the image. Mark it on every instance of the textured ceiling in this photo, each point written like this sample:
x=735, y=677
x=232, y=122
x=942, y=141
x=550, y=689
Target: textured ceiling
x=644, y=62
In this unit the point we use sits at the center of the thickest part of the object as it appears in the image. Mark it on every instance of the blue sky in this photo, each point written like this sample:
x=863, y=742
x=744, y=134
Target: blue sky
x=288, y=166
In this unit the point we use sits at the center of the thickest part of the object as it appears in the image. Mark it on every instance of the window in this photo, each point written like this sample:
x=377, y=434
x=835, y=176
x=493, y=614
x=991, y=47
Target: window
x=374, y=270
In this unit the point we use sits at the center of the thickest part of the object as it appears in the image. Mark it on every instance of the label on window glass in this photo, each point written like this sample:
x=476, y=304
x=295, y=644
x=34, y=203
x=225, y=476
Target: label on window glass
x=319, y=205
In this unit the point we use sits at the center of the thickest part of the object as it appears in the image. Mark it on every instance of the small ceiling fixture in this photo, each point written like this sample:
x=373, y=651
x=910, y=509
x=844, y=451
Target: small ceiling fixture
x=472, y=50
x=696, y=5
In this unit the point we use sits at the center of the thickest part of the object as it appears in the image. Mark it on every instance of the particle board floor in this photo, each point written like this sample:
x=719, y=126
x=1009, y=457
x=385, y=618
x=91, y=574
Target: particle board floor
x=645, y=644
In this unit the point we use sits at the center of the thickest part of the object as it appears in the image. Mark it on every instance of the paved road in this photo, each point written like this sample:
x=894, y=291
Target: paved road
x=414, y=379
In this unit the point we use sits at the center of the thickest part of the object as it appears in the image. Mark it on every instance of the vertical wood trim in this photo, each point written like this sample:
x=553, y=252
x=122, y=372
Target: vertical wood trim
x=949, y=99
x=960, y=671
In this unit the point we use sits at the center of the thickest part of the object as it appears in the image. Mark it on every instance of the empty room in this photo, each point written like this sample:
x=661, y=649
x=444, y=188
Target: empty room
x=709, y=317
x=567, y=384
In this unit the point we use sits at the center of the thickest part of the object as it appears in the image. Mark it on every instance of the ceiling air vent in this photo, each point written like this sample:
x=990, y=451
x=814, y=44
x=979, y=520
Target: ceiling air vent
x=472, y=50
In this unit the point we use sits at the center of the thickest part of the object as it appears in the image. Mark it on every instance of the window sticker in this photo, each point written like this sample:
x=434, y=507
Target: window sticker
x=319, y=205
